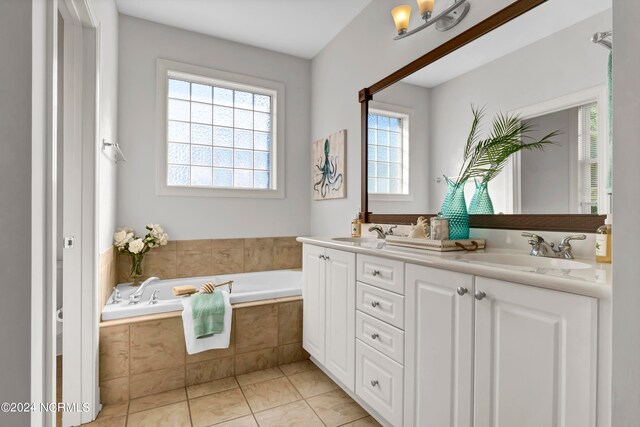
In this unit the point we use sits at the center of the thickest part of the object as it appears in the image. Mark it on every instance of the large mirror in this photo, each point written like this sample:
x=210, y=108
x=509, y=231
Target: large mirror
x=543, y=67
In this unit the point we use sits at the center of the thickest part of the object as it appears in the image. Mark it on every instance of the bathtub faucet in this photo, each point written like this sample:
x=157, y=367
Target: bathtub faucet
x=134, y=298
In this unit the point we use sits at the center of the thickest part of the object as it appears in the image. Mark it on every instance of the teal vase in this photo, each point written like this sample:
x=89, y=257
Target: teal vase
x=454, y=208
x=481, y=201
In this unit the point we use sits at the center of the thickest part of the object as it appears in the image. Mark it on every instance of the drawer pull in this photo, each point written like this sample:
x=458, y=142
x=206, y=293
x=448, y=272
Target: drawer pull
x=321, y=257
x=327, y=257
x=375, y=273
x=374, y=336
x=480, y=295
x=374, y=383
x=461, y=290
x=375, y=304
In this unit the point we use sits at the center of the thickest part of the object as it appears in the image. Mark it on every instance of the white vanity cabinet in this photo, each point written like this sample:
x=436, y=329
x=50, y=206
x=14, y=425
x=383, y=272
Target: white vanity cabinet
x=329, y=289
x=535, y=356
x=439, y=347
x=527, y=357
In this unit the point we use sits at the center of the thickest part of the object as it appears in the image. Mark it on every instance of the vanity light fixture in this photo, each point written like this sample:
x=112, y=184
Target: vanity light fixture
x=445, y=20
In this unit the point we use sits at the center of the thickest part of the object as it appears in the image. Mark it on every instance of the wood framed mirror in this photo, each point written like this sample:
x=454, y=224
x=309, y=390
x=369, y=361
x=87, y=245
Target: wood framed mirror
x=424, y=108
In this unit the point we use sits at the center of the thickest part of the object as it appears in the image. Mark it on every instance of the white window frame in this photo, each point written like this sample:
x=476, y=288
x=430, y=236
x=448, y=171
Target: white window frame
x=408, y=166
x=166, y=69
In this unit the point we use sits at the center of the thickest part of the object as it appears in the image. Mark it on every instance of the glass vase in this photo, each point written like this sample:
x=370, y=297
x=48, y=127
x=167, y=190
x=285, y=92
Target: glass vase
x=481, y=201
x=136, y=268
x=454, y=208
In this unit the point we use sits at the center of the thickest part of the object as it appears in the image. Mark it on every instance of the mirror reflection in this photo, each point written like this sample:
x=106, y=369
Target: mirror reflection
x=547, y=71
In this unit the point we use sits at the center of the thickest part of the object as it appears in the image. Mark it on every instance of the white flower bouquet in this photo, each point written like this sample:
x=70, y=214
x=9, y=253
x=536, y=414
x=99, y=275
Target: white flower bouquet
x=126, y=241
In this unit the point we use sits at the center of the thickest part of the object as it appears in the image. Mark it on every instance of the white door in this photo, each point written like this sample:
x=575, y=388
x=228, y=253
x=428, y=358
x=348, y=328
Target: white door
x=439, y=348
x=536, y=355
x=340, y=316
x=313, y=293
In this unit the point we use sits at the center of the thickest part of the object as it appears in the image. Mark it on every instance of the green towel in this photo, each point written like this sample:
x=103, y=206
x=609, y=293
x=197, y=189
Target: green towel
x=208, y=313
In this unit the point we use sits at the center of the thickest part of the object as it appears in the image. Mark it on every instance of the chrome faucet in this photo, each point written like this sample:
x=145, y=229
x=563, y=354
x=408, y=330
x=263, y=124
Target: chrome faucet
x=539, y=247
x=134, y=298
x=381, y=233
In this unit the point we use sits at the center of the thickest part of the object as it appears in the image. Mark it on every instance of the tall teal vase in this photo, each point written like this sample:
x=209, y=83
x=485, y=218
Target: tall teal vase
x=454, y=208
x=481, y=201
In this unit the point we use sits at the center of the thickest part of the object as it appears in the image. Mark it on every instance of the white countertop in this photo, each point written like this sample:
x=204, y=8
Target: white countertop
x=594, y=281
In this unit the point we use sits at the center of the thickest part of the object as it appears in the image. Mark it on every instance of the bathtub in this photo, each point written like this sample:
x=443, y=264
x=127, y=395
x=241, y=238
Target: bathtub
x=247, y=287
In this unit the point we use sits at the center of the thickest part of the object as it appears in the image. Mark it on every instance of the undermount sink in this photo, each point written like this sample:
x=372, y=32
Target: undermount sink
x=368, y=241
x=525, y=261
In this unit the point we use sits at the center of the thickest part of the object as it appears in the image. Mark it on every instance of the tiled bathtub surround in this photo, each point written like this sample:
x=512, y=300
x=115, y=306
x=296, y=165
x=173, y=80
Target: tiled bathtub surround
x=141, y=358
x=107, y=274
x=190, y=258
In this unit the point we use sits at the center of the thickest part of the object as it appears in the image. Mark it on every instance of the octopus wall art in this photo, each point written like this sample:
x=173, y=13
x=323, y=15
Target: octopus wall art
x=328, y=167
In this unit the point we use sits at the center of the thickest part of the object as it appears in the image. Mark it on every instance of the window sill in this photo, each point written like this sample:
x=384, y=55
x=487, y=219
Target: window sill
x=390, y=197
x=249, y=193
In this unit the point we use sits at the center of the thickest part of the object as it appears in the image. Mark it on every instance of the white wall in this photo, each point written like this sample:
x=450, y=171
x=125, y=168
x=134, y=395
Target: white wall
x=106, y=13
x=415, y=98
x=545, y=175
x=15, y=217
x=626, y=207
x=561, y=64
x=361, y=54
x=141, y=43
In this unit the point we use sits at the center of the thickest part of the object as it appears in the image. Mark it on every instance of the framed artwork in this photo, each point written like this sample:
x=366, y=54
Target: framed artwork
x=328, y=156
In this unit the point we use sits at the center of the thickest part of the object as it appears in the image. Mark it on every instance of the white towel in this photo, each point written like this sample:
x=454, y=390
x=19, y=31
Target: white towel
x=195, y=345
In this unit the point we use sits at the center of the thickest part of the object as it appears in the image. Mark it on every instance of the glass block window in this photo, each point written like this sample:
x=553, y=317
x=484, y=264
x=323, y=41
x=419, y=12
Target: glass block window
x=388, y=142
x=219, y=136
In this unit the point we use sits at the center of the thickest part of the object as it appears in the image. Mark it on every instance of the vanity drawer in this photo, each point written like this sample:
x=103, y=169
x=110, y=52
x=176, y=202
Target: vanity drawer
x=381, y=336
x=381, y=304
x=380, y=383
x=381, y=272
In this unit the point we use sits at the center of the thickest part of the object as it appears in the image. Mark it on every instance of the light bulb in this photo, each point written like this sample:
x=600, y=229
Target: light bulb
x=401, y=15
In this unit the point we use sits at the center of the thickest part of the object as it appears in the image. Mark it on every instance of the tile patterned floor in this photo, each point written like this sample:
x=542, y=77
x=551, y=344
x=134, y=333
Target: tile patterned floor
x=298, y=394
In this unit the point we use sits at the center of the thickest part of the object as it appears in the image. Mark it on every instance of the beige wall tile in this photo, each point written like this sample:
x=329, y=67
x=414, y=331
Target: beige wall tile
x=202, y=372
x=227, y=244
x=259, y=242
x=194, y=264
x=256, y=360
x=107, y=274
x=286, y=257
x=157, y=345
x=256, y=328
x=156, y=381
x=114, y=391
x=258, y=254
x=286, y=241
x=227, y=261
x=114, y=352
x=289, y=322
x=290, y=353
x=193, y=246
x=160, y=264
x=169, y=247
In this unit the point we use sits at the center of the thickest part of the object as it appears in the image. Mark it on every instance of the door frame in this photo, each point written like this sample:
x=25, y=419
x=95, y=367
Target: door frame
x=597, y=94
x=81, y=62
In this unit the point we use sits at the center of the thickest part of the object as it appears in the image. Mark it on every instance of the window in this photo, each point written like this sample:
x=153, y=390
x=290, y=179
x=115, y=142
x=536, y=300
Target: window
x=220, y=133
x=588, y=180
x=388, y=152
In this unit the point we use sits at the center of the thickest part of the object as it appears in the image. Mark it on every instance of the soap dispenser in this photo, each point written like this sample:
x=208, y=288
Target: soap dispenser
x=356, y=227
x=603, y=241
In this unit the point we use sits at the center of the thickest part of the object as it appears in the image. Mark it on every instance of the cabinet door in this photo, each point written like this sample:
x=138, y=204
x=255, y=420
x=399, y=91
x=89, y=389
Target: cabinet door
x=313, y=292
x=340, y=316
x=439, y=348
x=535, y=357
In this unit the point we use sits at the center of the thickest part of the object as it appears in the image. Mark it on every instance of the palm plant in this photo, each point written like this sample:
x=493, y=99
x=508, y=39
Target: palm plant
x=485, y=158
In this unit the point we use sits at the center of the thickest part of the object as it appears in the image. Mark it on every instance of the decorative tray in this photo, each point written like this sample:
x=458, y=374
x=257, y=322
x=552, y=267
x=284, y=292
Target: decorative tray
x=437, y=245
